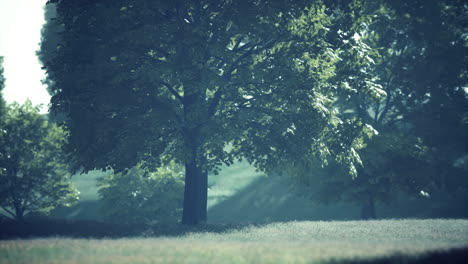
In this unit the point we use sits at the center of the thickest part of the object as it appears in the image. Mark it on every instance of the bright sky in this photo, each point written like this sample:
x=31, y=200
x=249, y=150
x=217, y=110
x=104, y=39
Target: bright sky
x=20, y=33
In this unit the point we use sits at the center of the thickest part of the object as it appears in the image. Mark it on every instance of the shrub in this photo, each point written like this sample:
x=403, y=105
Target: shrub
x=140, y=196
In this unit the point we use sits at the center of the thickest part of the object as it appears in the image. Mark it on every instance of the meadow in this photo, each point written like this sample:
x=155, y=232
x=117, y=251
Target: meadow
x=381, y=241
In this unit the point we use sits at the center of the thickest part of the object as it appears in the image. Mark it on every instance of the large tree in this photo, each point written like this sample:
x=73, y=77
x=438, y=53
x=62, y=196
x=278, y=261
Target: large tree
x=421, y=146
x=33, y=172
x=423, y=71
x=142, y=80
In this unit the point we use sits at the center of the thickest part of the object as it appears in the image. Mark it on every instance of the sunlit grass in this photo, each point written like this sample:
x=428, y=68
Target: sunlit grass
x=292, y=242
x=86, y=184
x=230, y=181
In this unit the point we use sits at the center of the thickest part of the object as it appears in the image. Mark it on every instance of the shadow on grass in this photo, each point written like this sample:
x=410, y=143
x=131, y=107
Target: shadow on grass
x=83, y=210
x=451, y=256
x=269, y=199
x=33, y=228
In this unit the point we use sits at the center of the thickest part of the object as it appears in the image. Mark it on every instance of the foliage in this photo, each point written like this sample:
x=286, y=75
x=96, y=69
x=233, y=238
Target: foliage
x=392, y=164
x=50, y=37
x=419, y=119
x=141, y=80
x=140, y=196
x=2, y=85
x=423, y=69
x=33, y=174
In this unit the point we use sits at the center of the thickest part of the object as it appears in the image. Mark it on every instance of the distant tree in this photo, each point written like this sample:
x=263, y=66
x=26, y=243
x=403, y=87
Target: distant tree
x=2, y=85
x=393, y=165
x=50, y=43
x=423, y=70
x=422, y=140
x=50, y=38
x=139, y=196
x=33, y=175
x=141, y=80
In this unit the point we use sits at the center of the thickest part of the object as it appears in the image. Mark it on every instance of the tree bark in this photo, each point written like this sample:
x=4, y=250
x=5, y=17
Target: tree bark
x=196, y=182
x=19, y=212
x=372, y=206
x=195, y=195
x=368, y=210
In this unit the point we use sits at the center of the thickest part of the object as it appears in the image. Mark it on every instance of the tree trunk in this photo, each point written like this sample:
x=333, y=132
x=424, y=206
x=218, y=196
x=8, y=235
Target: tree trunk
x=195, y=195
x=372, y=206
x=196, y=182
x=19, y=213
x=368, y=210
x=196, y=175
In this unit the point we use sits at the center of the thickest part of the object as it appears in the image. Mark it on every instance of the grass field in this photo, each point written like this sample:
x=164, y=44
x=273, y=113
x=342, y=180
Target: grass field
x=385, y=241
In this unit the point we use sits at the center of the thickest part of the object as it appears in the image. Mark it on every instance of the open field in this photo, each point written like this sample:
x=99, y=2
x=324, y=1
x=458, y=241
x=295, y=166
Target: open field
x=385, y=241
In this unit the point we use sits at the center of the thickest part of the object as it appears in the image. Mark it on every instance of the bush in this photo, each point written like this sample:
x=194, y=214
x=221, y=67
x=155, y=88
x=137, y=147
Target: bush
x=139, y=196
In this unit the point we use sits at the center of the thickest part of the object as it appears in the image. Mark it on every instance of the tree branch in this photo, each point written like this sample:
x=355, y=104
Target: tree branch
x=361, y=109
x=243, y=104
x=385, y=109
x=377, y=111
x=215, y=102
x=237, y=43
x=9, y=212
x=227, y=75
x=388, y=102
x=251, y=83
x=173, y=91
x=253, y=50
x=243, y=47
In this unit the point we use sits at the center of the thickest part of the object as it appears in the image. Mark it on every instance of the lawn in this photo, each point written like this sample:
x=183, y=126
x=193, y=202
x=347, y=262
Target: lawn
x=397, y=241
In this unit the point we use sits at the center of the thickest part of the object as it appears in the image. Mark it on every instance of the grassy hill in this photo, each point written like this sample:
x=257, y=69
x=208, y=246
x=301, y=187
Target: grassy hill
x=88, y=206
x=240, y=194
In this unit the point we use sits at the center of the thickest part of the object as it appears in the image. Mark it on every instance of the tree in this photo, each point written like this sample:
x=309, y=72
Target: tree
x=152, y=81
x=2, y=85
x=438, y=107
x=50, y=37
x=393, y=164
x=33, y=174
x=422, y=133
x=423, y=69
x=139, y=196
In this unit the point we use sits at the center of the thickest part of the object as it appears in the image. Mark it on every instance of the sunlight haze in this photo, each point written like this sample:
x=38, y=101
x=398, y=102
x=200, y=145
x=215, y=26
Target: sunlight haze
x=20, y=30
